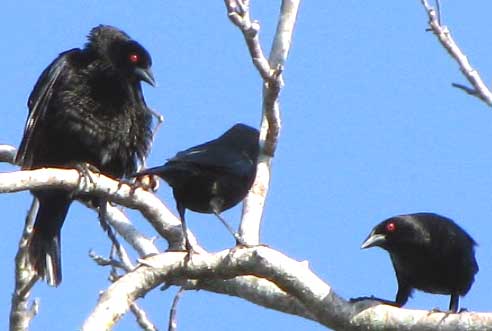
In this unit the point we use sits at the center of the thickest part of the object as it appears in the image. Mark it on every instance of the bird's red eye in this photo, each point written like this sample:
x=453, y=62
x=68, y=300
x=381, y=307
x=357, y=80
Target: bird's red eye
x=134, y=58
x=390, y=227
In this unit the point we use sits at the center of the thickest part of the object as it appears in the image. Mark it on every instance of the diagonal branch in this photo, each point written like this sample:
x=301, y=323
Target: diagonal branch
x=163, y=221
x=480, y=90
x=118, y=220
x=292, y=277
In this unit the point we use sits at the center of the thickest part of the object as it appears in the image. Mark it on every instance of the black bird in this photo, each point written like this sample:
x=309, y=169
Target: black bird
x=87, y=107
x=214, y=176
x=429, y=252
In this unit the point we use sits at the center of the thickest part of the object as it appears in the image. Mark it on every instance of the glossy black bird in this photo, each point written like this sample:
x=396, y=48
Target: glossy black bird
x=214, y=176
x=429, y=252
x=87, y=107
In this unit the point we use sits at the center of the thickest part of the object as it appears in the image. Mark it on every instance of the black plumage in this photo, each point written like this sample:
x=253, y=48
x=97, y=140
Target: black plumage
x=87, y=107
x=429, y=252
x=214, y=176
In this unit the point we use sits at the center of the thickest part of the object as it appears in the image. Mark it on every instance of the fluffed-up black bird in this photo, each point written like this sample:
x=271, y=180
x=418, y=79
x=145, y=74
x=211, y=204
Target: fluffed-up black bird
x=87, y=107
x=429, y=252
x=214, y=176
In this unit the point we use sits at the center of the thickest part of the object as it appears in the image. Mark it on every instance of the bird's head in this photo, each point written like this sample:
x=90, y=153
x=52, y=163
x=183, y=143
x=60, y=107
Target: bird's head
x=125, y=55
x=400, y=231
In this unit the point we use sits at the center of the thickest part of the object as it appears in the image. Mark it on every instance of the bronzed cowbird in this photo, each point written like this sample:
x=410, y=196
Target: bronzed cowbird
x=429, y=252
x=214, y=176
x=87, y=107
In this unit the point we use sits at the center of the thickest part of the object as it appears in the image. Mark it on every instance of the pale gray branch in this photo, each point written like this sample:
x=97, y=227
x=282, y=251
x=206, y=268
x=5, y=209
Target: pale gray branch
x=271, y=72
x=142, y=318
x=443, y=34
x=256, y=290
x=118, y=220
x=159, y=216
x=21, y=313
x=292, y=277
x=173, y=312
x=7, y=153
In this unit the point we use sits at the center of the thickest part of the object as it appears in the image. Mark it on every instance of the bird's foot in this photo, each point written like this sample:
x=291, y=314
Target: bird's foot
x=85, y=176
x=239, y=240
x=189, y=255
x=241, y=243
x=146, y=182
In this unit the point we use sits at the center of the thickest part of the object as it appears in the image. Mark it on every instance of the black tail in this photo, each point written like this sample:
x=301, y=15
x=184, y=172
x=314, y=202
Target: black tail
x=172, y=172
x=150, y=171
x=44, y=246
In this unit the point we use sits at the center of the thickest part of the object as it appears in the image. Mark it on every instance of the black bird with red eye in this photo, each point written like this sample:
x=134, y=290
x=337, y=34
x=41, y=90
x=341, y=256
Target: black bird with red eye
x=429, y=252
x=86, y=107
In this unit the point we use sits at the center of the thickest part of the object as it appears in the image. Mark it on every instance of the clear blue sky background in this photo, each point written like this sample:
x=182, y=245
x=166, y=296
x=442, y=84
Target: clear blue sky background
x=371, y=129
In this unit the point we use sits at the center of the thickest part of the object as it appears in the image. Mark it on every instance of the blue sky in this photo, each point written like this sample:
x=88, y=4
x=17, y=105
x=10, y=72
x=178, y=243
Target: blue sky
x=371, y=128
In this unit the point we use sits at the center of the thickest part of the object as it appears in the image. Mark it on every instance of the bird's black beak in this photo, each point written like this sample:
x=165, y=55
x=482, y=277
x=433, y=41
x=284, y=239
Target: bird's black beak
x=146, y=75
x=373, y=240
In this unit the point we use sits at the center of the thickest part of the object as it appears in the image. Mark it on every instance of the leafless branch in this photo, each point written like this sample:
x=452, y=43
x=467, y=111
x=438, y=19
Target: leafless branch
x=173, y=321
x=290, y=276
x=142, y=318
x=256, y=290
x=7, y=153
x=20, y=312
x=118, y=220
x=271, y=72
x=480, y=90
x=114, y=216
x=159, y=216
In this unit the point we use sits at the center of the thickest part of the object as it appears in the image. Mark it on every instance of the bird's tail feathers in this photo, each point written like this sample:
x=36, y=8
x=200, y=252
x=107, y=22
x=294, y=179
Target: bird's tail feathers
x=44, y=246
x=45, y=257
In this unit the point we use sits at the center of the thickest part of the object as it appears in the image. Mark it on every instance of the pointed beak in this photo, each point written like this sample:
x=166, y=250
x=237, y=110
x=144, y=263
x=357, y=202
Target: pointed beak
x=146, y=75
x=373, y=240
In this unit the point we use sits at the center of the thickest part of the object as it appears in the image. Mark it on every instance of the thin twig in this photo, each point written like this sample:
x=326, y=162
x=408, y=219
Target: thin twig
x=438, y=8
x=104, y=262
x=443, y=34
x=118, y=251
x=124, y=227
x=173, y=321
x=21, y=314
x=142, y=318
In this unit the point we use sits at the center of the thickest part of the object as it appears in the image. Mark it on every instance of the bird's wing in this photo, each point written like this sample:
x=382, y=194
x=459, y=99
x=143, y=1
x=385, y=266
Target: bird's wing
x=216, y=158
x=38, y=105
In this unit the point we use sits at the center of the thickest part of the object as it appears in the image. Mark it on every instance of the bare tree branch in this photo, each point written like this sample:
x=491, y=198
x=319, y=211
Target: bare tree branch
x=173, y=320
x=113, y=215
x=256, y=290
x=480, y=90
x=20, y=312
x=118, y=220
x=159, y=216
x=292, y=277
x=142, y=318
x=7, y=153
x=271, y=72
